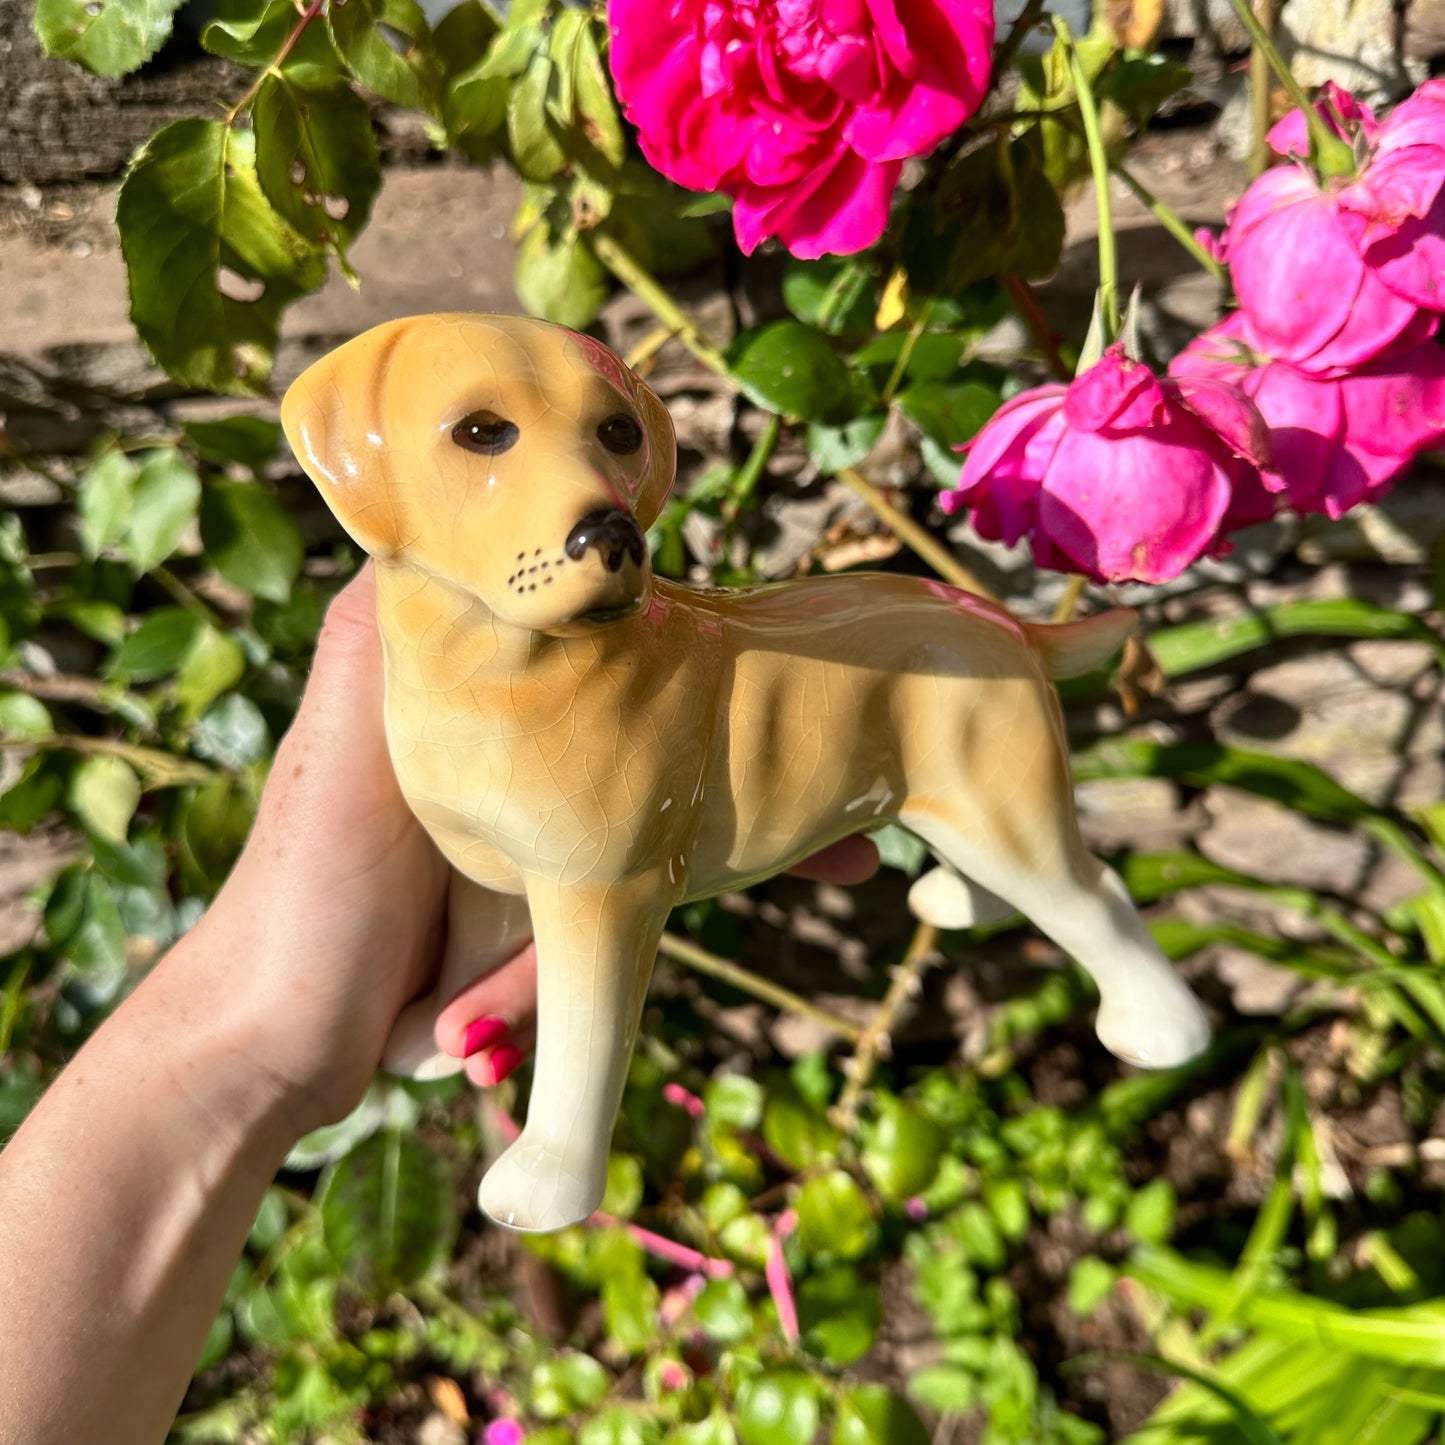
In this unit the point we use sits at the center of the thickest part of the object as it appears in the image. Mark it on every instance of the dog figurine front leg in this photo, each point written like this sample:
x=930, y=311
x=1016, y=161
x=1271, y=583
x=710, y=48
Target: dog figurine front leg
x=595, y=950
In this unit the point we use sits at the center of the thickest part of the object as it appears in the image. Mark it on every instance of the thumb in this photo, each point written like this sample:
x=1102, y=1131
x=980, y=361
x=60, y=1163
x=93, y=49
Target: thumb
x=332, y=770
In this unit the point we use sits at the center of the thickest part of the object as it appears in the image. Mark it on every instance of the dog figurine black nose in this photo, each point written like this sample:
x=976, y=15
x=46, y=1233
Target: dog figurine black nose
x=613, y=532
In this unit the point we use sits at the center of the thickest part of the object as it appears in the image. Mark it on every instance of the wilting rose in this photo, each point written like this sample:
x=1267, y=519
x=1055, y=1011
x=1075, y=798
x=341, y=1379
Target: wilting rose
x=1306, y=295
x=802, y=110
x=1395, y=209
x=1335, y=441
x=1121, y=475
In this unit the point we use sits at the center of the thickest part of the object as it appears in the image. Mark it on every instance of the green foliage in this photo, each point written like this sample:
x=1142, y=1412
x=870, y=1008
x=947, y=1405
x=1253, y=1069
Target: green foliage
x=108, y=37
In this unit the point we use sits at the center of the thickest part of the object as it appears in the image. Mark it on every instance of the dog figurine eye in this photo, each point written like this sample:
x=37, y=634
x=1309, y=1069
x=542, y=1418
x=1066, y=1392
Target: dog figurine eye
x=620, y=434
x=485, y=432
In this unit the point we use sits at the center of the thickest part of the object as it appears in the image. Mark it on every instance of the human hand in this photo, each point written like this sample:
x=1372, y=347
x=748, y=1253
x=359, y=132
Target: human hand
x=335, y=915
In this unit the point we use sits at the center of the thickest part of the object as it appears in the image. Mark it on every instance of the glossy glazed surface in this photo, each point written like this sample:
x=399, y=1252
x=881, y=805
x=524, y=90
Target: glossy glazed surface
x=590, y=746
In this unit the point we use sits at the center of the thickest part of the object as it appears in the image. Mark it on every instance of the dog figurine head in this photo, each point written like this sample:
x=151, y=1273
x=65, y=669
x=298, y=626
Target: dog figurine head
x=544, y=457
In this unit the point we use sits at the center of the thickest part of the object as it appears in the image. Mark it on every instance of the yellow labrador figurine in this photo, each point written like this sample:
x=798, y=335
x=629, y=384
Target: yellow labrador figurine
x=590, y=746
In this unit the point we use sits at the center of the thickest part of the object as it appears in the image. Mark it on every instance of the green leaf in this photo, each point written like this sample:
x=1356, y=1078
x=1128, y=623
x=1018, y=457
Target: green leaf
x=945, y=1388
x=903, y=1149
x=316, y=156
x=214, y=665
x=106, y=493
x=834, y=447
x=624, y=1186
x=250, y=32
x=387, y=1211
x=874, y=1415
x=950, y=414
x=475, y=109
x=838, y=1314
x=214, y=827
x=211, y=265
x=1150, y=1213
x=166, y=493
x=35, y=794
x=834, y=1217
x=158, y=646
x=560, y=280
x=232, y=732
x=387, y=46
x=797, y=1134
x=1090, y=1282
x=109, y=38
x=536, y=149
x=105, y=792
x=1301, y=786
x=83, y=923
x=834, y=293
x=733, y=1101
x=24, y=718
x=721, y=1308
x=249, y=441
x=250, y=538
x=790, y=368
x=777, y=1407
x=565, y=1384
x=597, y=118
x=1195, y=645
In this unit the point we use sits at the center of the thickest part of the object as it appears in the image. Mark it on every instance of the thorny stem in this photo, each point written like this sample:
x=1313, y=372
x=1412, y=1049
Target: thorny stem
x=1259, y=92
x=922, y=951
x=1028, y=17
x=701, y=961
x=625, y=267
x=1170, y=220
x=1032, y=316
x=1099, y=165
x=918, y=538
x=1329, y=153
x=307, y=15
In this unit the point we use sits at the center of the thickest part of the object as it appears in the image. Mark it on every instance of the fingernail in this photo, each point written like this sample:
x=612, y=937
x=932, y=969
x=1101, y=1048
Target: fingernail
x=482, y=1034
x=504, y=1061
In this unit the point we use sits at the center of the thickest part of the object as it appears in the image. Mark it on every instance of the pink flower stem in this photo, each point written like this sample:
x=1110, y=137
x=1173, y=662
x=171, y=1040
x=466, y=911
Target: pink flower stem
x=780, y=1281
x=661, y=1247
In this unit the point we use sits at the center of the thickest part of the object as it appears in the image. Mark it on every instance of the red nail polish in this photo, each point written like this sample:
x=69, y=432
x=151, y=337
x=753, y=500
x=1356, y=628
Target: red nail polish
x=504, y=1061
x=482, y=1034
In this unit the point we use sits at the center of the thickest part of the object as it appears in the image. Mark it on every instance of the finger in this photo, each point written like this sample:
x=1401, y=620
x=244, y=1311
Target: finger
x=507, y=993
x=849, y=860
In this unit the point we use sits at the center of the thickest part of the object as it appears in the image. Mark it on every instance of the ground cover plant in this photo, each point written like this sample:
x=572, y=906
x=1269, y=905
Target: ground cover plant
x=876, y=1236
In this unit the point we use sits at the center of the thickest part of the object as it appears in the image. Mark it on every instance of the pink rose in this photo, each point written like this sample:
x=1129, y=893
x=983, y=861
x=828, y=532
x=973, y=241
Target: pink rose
x=1345, y=116
x=1306, y=295
x=802, y=110
x=1335, y=441
x=1396, y=207
x=1121, y=475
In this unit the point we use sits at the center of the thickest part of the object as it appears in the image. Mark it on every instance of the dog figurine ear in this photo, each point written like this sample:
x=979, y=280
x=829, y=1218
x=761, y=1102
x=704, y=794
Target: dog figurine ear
x=662, y=467
x=334, y=416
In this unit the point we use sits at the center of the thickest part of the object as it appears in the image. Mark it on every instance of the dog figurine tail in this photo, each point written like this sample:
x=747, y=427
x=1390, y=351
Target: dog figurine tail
x=1074, y=649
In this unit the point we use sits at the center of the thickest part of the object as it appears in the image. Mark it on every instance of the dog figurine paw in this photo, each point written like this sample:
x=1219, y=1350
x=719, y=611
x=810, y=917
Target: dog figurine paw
x=590, y=745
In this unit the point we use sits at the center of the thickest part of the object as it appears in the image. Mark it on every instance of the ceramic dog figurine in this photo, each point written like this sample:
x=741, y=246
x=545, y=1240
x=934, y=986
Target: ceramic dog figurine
x=590, y=746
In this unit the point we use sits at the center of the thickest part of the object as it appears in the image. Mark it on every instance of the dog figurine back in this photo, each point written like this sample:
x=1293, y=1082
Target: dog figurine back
x=591, y=746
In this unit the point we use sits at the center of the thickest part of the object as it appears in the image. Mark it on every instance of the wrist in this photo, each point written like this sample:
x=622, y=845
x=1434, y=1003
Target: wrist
x=204, y=1026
